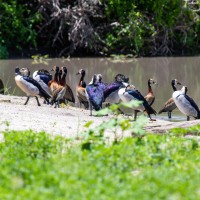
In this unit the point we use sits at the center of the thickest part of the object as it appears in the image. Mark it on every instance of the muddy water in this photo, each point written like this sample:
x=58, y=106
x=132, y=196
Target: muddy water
x=163, y=70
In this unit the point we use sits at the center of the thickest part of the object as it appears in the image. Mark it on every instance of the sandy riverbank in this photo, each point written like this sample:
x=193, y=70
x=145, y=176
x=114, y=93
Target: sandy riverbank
x=67, y=121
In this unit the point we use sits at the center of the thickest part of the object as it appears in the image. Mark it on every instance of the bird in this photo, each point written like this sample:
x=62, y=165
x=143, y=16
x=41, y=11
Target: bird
x=82, y=82
x=1, y=87
x=30, y=86
x=69, y=96
x=170, y=105
x=95, y=93
x=57, y=90
x=80, y=90
x=53, y=84
x=58, y=95
x=128, y=94
x=43, y=77
x=186, y=104
x=100, y=82
x=60, y=76
x=60, y=90
x=111, y=90
x=150, y=97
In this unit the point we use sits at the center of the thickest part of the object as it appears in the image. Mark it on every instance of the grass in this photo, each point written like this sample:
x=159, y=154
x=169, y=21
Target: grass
x=39, y=166
x=7, y=87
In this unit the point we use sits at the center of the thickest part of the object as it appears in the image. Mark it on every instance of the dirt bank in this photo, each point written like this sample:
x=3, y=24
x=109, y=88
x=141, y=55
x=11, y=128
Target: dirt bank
x=66, y=121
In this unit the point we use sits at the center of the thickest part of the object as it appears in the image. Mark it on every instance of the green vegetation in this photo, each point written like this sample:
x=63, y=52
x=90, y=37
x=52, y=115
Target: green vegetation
x=38, y=166
x=141, y=166
x=18, y=32
x=134, y=27
x=154, y=27
x=3, y=52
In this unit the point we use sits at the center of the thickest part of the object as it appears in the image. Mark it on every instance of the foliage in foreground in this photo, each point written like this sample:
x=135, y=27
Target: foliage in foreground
x=39, y=166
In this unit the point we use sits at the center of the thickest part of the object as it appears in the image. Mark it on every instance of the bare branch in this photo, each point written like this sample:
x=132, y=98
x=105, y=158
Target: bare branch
x=72, y=20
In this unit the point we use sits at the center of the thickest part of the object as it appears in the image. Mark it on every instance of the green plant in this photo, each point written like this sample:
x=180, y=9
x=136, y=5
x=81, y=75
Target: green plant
x=17, y=25
x=40, y=166
x=8, y=90
x=3, y=52
x=29, y=144
x=39, y=59
x=117, y=126
x=152, y=27
x=194, y=130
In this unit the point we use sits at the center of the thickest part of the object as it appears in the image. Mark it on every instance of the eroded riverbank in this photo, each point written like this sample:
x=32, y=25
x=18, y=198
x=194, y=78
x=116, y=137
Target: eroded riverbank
x=67, y=121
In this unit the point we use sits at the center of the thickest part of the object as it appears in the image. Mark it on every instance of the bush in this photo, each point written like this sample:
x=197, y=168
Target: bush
x=39, y=166
x=153, y=28
x=3, y=52
x=18, y=21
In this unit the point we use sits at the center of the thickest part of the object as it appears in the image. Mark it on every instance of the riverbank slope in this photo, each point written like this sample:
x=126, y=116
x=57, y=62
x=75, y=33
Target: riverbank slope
x=66, y=121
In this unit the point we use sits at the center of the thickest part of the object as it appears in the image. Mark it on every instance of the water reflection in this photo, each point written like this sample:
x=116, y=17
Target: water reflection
x=163, y=70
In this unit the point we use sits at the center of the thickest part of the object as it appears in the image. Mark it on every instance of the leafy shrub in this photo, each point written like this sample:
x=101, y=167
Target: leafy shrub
x=36, y=166
x=141, y=166
x=158, y=27
x=144, y=28
x=194, y=130
x=17, y=24
x=118, y=125
x=3, y=52
x=28, y=144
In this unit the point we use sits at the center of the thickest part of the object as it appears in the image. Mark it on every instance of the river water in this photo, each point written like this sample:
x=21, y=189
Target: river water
x=139, y=70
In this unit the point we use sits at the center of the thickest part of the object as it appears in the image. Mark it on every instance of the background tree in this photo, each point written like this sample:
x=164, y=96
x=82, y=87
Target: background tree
x=160, y=27
x=18, y=21
x=99, y=27
x=71, y=26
